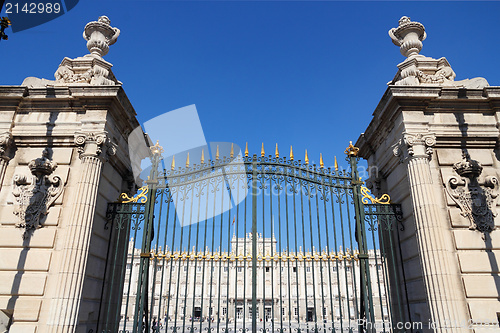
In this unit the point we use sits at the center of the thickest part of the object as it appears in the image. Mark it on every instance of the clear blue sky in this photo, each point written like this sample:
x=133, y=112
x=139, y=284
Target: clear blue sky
x=303, y=73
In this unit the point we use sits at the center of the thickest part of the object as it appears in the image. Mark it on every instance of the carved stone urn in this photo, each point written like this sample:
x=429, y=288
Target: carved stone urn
x=99, y=36
x=408, y=36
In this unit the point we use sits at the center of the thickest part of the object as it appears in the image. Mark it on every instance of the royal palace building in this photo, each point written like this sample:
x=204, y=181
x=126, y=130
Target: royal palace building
x=306, y=287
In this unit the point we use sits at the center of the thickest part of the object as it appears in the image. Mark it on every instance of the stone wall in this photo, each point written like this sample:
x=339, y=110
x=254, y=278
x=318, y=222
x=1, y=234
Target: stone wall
x=420, y=138
x=52, y=269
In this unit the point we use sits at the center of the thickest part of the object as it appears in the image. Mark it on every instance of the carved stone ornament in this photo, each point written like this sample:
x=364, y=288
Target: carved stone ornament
x=90, y=69
x=5, y=141
x=36, y=193
x=408, y=36
x=414, y=145
x=94, y=144
x=420, y=70
x=100, y=35
x=476, y=200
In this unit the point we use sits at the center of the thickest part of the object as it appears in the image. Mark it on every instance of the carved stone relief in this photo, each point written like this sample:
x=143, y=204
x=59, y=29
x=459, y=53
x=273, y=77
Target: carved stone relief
x=476, y=199
x=36, y=193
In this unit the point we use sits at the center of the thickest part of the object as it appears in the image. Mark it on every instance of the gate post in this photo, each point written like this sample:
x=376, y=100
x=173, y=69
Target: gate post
x=366, y=304
x=141, y=315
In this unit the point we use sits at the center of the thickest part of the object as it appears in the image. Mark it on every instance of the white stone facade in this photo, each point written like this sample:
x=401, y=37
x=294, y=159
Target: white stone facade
x=187, y=283
x=433, y=146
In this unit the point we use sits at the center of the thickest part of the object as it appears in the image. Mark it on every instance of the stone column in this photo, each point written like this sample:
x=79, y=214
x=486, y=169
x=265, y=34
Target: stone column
x=94, y=149
x=434, y=242
x=5, y=141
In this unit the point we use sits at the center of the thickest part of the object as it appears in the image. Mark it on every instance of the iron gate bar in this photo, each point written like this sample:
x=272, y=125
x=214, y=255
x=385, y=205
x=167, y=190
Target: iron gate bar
x=287, y=177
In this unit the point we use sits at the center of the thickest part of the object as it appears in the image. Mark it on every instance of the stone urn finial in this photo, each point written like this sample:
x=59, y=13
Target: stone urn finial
x=408, y=36
x=99, y=36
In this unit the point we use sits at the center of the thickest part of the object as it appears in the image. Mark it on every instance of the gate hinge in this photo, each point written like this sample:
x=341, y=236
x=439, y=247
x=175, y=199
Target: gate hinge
x=145, y=254
x=362, y=256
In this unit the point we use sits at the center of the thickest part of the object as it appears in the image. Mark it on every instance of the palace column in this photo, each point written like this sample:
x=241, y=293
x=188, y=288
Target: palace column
x=94, y=149
x=433, y=241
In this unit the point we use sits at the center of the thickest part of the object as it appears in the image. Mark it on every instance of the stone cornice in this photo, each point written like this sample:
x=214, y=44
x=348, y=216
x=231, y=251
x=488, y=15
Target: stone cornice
x=433, y=99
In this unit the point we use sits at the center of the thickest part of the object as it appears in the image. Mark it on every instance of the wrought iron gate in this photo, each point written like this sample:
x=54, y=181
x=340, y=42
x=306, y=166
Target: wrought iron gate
x=252, y=243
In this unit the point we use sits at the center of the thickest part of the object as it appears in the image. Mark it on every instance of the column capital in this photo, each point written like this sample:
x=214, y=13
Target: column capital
x=95, y=144
x=5, y=141
x=414, y=145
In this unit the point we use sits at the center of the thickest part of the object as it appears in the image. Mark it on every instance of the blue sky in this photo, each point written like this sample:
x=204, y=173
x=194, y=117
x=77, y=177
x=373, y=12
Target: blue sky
x=308, y=74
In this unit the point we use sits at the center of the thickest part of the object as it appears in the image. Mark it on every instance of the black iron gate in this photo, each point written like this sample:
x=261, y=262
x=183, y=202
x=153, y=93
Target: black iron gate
x=252, y=243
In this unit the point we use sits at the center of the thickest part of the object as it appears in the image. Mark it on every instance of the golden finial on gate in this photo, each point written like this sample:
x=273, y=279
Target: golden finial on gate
x=351, y=150
x=291, y=153
x=306, y=159
x=336, y=165
x=187, y=161
x=277, y=153
x=321, y=164
x=217, y=153
x=231, y=153
x=246, y=149
x=202, y=156
x=262, y=152
x=173, y=163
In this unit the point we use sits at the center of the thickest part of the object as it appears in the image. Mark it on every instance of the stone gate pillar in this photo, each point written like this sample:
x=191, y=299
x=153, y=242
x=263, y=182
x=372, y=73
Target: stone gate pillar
x=64, y=156
x=433, y=146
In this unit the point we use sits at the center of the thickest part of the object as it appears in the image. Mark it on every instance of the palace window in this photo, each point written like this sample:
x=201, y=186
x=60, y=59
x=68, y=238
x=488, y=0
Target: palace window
x=267, y=269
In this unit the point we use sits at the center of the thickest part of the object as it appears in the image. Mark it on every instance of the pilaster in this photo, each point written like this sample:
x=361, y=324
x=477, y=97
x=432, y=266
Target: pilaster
x=94, y=149
x=433, y=239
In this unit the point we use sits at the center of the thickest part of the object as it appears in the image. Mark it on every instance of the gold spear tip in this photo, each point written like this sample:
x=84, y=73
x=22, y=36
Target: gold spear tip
x=202, y=156
x=277, y=153
x=291, y=153
x=262, y=152
x=246, y=150
x=336, y=165
x=231, y=154
x=306, y=159
x=321, y=164
x=173, y=163
x=187, y=161
x=217, y=153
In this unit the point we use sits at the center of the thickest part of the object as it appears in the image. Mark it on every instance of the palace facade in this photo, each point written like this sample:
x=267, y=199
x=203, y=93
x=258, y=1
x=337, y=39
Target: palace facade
x=299, y=286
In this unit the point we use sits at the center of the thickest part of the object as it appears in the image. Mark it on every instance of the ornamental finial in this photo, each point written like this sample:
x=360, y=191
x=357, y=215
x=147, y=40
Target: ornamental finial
x=351, y=150
x=408, y=36
x=99, y=36
x=157, y=149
